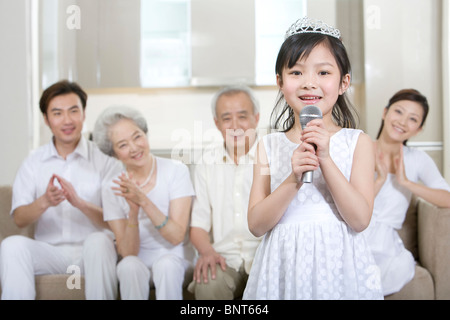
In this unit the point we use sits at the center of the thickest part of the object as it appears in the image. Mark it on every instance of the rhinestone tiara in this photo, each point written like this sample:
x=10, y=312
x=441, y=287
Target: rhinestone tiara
x=307, y=25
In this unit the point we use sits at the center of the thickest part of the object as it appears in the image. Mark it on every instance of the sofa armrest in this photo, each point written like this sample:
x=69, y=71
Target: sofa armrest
x=434, y=245
x=7, y=225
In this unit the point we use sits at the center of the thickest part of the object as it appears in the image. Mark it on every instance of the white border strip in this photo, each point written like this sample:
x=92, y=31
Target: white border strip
x=427, y=145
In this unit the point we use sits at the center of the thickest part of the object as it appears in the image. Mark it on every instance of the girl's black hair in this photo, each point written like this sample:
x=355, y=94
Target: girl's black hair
x=409, y=95
x=300, y=46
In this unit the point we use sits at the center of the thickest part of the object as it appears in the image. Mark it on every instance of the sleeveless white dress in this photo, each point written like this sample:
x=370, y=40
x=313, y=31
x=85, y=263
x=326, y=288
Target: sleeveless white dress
x=312, y=253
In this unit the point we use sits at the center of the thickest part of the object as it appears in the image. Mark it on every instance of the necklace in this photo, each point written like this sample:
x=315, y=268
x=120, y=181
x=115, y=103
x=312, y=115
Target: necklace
x=150, y=175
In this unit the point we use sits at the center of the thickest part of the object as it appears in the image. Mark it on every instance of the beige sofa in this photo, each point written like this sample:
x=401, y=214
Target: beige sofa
x=49, y=287
x=426, y=233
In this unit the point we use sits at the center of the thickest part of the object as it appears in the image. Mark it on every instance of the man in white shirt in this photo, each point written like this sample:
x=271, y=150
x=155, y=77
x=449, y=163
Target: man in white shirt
x=58, y=188
x=222, y=181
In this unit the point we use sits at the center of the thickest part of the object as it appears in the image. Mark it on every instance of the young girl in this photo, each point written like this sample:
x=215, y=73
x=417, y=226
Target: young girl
x=398, y=171
x=312, y=248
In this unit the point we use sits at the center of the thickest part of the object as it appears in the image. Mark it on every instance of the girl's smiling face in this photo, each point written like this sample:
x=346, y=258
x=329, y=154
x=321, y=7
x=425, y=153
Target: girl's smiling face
x=313, y=80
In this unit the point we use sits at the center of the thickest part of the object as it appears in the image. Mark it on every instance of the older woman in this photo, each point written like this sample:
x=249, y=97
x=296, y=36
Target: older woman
x=147, y=207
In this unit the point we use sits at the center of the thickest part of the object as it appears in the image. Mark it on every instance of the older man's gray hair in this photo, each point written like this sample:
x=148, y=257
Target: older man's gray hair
x=234, y=89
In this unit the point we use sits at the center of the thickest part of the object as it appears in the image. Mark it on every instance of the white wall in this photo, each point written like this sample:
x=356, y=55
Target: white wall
x=16, y=124
x=403, y=50
x=177, y=118
x=446, y=85
x=233, y=49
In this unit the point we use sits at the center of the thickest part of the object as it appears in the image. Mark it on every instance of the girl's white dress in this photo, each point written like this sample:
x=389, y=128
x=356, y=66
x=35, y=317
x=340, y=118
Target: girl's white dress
x=312, y=253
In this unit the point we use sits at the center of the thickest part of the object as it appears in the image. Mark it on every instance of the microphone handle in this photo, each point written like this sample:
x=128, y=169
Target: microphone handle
x=307, y=177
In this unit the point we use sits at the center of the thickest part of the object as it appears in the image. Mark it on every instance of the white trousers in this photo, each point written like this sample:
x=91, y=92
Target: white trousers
x=166, y=274
x=22, y=258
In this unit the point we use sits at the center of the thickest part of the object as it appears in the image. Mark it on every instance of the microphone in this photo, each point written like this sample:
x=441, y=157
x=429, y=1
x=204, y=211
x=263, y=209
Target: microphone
x=307, y=114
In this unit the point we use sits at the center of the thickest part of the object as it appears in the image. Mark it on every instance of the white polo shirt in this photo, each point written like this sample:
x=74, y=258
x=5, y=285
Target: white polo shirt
x=85, y=169
x=222, y=192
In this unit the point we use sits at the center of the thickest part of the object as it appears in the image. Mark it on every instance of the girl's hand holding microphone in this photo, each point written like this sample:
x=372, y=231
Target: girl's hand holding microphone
x=318, y=136
x=304, y=159
x=312, y=150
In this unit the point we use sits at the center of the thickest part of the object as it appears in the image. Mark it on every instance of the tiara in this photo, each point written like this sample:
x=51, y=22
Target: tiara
x=307, y=25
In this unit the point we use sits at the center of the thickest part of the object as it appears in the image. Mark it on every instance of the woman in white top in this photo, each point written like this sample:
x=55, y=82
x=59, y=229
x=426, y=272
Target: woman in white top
x=401, y=171
x=147, y=207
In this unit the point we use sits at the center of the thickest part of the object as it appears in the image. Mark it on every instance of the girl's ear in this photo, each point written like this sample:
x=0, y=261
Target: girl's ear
x=345, y=84
x=279, y=81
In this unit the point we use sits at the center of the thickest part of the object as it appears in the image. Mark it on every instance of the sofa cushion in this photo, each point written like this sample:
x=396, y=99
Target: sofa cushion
x=7, y=225
x=421, y=287
x=408, y=232
x=54, y=287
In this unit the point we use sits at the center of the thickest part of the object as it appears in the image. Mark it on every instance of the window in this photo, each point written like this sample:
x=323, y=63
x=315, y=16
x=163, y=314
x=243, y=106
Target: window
x=165, y=43
x=273, y=18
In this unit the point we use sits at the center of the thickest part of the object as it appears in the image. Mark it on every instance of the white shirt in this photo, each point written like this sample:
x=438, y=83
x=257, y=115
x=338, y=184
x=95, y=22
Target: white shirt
x=85, y=169
x=222, y=192
x=392, y=201
x=172, y=181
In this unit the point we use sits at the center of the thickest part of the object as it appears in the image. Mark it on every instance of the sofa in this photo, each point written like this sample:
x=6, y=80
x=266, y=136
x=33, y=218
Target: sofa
x=425, y=232
x=55, y=286
x=48, y=287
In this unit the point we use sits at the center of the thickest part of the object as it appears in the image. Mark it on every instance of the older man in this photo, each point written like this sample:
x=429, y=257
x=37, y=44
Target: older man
x=222, y=181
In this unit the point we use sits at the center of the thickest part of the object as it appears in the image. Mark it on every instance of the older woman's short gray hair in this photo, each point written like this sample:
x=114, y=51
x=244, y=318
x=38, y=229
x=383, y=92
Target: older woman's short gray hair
x=234, y=89
x=109, y=117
